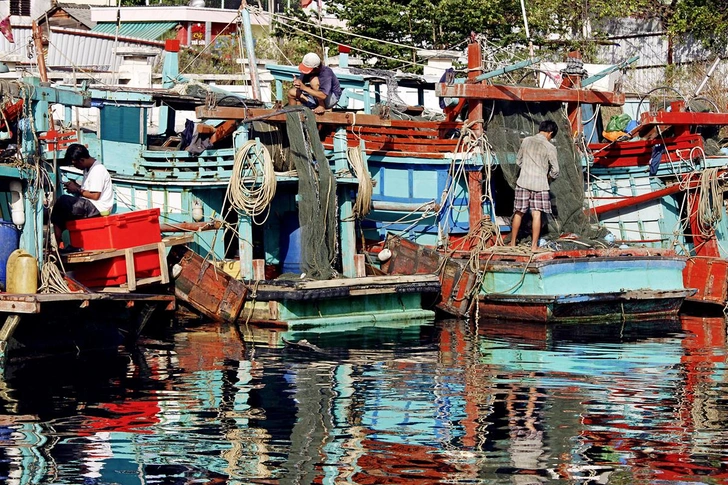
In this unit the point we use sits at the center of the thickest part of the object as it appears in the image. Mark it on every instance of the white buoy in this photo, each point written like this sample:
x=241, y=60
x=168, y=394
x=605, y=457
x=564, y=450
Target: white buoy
x=17, y=204
x=384, y=255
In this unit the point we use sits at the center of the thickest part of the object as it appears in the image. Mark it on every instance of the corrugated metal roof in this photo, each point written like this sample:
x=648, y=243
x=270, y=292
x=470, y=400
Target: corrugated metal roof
x=73, y=48
x=139, y=30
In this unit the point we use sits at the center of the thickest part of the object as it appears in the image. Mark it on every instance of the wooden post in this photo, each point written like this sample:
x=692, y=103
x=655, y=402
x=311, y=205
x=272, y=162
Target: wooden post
x=131, y=282
x=475, y=194
x=360, y=265
x=258, y=269
x=245, y=246
x=346, y=209
x=475, y=189
x=39, y=51
x=475, y=64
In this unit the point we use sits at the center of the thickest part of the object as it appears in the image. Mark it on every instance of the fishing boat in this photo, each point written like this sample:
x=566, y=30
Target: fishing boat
x=275, y=233
x=43, y=310
x=443, y=188
x=663, y=186
x=280, y=194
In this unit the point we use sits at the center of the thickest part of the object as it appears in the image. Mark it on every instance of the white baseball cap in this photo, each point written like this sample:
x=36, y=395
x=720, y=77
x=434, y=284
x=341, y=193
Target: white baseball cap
x=310, y=62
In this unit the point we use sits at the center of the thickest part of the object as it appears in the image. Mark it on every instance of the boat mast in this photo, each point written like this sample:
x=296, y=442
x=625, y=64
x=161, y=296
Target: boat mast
x=39, y=52
x=250, y=50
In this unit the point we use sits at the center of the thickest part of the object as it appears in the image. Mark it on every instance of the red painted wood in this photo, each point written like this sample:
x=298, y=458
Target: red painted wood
x=475, y=106
x=637, y=199
x=633, y=153
x=683, y=118
x=521, y=93
x=456, y=280
x=704, y=246
x=514, y=311
x=207, y=288
x=475, y=192
x=710, y=277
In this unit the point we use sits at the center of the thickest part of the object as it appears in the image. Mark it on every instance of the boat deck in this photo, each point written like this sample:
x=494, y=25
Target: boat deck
x=38, y=303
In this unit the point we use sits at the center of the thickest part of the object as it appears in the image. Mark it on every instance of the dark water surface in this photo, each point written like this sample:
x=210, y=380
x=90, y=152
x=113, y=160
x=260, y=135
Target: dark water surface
x=452, y=402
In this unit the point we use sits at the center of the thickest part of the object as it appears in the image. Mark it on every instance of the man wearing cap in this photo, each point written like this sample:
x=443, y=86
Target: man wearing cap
x=318, y=87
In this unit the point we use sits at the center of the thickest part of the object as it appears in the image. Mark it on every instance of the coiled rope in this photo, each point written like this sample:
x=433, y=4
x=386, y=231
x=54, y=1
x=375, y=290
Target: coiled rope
x=710, y=202
x=51, y=279
x=245, y=192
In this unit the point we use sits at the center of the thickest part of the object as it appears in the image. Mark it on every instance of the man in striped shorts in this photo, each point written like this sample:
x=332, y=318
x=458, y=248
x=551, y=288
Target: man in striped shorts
x=539, y=165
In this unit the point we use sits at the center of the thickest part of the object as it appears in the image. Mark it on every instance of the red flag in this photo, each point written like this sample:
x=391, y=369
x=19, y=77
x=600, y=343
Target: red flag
x=6, y=29
x=306, y=3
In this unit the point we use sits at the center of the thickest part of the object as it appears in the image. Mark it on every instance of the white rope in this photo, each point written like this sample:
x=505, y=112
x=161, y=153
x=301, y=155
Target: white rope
x=244, y=191
x=51, y=279
x=363, y=202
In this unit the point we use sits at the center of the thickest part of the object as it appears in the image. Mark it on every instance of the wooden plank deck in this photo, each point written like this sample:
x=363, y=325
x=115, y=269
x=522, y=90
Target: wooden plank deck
x=37, y=303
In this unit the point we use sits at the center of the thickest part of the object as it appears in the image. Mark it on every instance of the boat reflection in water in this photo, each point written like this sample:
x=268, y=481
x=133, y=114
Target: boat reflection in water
x=457, y=402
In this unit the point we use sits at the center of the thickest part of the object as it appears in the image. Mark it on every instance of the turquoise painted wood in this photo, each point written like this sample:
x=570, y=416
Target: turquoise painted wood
x=572, y=276
x=353, y=310
x=652, y=224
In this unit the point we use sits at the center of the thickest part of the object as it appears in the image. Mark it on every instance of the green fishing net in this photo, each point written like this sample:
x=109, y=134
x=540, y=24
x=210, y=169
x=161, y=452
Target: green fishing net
x=507, y=124
x=316, y=196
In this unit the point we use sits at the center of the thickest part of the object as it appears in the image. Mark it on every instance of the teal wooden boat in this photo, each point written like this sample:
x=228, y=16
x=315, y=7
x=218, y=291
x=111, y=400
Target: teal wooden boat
x=444, y=184
x=208, y=192
x=47, y=314
x=668, y=192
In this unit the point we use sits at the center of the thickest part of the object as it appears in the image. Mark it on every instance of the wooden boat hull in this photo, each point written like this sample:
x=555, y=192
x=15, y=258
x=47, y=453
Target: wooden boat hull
x=345, y=301
x=709, y=275
x=612, y=283
x=578, y=308
x=456, y=280
x=38, y=325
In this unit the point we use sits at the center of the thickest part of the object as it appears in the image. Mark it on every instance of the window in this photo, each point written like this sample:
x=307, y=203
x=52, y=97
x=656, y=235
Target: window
x=20, y=7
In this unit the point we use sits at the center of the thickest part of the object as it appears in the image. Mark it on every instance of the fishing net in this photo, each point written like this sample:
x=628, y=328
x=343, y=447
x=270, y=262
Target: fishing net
x=317, y=196
x=508, y=123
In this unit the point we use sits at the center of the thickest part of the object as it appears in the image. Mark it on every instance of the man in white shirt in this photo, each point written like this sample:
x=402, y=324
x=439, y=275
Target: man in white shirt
x=93, y=198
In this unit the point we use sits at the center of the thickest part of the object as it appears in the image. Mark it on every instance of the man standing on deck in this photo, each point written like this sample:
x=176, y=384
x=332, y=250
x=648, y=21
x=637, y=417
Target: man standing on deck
x=539, y=165
x=318, y=88
x=93, y=198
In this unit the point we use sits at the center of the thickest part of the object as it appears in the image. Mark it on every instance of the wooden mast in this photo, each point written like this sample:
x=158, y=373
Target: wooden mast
x=40, y=51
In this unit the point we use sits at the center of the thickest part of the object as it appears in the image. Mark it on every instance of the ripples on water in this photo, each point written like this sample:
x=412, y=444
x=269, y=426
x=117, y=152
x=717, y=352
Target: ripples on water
x=446, y=403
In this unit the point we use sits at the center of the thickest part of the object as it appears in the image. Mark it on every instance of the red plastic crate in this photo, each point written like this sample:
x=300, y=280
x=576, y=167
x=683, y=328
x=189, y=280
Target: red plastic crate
x=118, y=231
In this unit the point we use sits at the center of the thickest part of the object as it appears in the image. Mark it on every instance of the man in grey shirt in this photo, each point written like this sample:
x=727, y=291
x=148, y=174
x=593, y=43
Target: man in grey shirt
x=539, y=165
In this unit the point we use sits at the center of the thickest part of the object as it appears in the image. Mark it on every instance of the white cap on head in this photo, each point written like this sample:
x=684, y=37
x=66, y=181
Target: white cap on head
x=310, y=62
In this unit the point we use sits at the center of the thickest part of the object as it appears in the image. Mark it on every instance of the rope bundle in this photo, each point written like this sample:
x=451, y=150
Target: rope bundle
x=244, y=192
x=710, y=203
x=51, y=279
x=363, y=202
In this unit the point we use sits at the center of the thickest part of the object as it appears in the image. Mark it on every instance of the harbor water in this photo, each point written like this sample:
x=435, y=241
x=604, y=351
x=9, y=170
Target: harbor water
x=450, y=402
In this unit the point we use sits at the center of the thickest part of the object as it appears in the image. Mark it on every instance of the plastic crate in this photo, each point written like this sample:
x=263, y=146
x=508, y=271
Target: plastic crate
x=118, y=231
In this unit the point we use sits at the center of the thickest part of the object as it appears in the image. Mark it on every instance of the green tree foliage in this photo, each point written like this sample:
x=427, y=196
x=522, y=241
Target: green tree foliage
x=704, y=20
x=415, y=24
x=556, y=25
